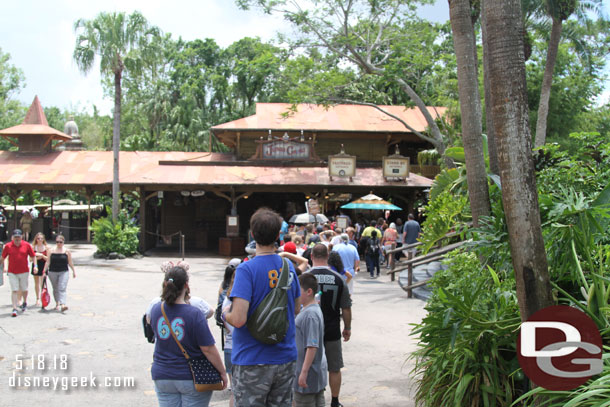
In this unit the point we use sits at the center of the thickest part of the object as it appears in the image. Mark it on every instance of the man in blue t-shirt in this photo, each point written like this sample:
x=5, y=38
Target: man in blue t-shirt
x=262, y=374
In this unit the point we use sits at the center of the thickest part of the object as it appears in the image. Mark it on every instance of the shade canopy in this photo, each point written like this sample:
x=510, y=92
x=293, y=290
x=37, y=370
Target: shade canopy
x=304, y=218
x=371, y=201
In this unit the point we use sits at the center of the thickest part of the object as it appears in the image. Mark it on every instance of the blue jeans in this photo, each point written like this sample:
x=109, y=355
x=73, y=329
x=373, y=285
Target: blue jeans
x=372, y=263
x=180, y=393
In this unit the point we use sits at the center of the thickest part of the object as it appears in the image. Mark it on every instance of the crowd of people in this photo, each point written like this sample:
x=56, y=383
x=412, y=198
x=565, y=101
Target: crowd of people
x=20, y=258
x=296, y=369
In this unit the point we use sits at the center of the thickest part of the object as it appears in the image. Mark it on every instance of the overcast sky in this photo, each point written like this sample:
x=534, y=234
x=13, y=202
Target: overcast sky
x=39, y=36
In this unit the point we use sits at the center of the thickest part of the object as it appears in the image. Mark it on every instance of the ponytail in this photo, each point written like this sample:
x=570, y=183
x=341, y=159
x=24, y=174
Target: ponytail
x=173, y=284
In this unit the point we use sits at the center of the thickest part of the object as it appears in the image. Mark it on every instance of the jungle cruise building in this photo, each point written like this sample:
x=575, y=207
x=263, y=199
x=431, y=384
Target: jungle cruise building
x=281, y=157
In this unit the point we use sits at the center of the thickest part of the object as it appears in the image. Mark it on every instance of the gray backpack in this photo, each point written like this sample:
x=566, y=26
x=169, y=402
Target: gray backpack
x=269, y=321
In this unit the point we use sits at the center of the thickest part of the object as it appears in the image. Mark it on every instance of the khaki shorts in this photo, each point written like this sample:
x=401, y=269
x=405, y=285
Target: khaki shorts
x=334, y=355
x=19, y=282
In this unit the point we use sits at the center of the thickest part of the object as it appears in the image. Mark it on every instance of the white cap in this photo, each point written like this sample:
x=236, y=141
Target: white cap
x=234, y=262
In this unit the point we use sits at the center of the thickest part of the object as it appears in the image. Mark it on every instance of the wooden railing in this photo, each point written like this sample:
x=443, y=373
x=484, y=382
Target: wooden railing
x=413, y=262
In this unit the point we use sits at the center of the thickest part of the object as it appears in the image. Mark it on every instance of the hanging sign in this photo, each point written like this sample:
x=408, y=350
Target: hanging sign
x=286, y=150
x=342, y=165
x=396, y=167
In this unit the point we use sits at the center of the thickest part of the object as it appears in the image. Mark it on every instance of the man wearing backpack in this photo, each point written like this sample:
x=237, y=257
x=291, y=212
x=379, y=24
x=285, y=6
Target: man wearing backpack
x=262, y=374
x=372, y=254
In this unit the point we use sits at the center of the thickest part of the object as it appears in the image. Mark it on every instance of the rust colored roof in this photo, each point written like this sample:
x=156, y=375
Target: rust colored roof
x=94, y=168
x=35, y=123
x=35, y=114
x=355, y=118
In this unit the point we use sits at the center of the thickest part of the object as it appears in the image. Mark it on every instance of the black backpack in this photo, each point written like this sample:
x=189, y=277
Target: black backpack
x=148, y=330
x=269, y=321
x=218, y=312
x=373, y=246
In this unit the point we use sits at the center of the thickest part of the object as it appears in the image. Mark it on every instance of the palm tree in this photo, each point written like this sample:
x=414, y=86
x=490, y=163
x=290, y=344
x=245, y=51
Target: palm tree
x=464, y=40
x=558, y=11
x=121, y=44
x=504, y=41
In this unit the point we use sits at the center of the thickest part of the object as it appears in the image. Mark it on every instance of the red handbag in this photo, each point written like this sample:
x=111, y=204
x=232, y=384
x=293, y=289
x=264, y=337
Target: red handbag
x=44, y=294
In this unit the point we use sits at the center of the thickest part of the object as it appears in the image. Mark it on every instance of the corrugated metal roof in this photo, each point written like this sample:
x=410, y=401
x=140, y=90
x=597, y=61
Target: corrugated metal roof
x=94, y=168
x=34, y=123
x=356, y=118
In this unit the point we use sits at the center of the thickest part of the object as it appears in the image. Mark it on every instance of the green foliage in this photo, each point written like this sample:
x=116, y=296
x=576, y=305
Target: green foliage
x=428, y=157
x=467, y=342
x=445, y=213
x=120, y=237
x=594, y=393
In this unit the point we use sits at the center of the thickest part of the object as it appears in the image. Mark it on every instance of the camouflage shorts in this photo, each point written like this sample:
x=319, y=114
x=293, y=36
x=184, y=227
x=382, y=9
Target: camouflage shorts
x=263, y=385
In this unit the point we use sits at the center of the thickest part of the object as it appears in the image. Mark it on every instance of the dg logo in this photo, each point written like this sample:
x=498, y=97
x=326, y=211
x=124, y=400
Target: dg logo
x=559, y=348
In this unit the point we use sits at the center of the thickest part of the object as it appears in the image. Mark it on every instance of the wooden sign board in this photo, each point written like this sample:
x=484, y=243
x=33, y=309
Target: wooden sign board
x=396, y=167
x=342, y=165
x=232, y=226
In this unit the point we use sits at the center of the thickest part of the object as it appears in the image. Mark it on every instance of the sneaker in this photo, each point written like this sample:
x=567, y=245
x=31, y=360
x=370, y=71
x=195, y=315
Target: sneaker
x=14, y=314
x=24, y=306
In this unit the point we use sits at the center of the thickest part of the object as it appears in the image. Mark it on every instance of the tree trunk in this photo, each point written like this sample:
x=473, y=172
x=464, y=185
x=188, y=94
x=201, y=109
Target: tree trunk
x=116, y=144
x=547, y=82
x=510, y=116
x=470, y=107
x=492, y=149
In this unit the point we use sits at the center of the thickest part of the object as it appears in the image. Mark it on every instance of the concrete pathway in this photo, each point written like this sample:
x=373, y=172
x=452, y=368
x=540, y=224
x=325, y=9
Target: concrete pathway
x=99, y=340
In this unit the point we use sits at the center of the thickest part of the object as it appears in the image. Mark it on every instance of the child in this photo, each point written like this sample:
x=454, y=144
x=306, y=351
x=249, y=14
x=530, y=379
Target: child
x=311, y=369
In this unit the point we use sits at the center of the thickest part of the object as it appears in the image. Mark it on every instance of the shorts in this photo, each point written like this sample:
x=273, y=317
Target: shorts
x=228, y=364
x=309, y=399
x=19, y=282
x=263, y=385
x=334, y=355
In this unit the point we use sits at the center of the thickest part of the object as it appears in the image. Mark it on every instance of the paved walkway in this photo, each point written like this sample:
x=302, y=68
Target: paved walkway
x=100, y=338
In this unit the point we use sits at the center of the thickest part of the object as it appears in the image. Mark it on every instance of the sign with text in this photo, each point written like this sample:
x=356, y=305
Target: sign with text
x=286, y=150
x=341, y=165
x=396, y=167
x=313, y=207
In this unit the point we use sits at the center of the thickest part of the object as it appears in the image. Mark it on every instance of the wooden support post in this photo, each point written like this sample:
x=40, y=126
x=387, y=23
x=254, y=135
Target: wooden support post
x=143, y=199
x=410, y=277
x=88, y=194
x=182, y=244
x=392, y=260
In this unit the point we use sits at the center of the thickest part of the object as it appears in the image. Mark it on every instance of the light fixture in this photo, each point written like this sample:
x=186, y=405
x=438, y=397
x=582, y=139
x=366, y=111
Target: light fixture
x=302, y=136
x=269, y=136
x=306, y=196
x=285, y=137
x=246, y=197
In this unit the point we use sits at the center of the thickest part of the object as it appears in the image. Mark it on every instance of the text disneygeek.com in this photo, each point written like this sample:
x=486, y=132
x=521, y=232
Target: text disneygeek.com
x=34, y=372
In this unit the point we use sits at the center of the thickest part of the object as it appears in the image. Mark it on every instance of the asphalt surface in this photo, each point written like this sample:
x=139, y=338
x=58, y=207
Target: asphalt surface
x=95, y=353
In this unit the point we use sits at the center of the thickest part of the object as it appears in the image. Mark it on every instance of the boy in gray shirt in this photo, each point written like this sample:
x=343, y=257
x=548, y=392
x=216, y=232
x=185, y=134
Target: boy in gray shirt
x=311, y=369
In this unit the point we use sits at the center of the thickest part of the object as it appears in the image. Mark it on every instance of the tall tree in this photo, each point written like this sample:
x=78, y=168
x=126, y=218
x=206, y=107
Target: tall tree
x=11, y=82
x=364, y=34
x=462, y=23
x=121, y=44
x=558, y=11
x=504, y=37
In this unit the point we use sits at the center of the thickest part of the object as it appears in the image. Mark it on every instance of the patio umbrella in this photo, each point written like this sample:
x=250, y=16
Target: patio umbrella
x=308, y=218
x=371, y=201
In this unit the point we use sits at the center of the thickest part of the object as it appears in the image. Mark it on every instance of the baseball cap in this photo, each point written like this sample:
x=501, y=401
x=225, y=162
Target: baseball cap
x=234, y=262
x=290, y=248
x=17, y=232
x=344, y=237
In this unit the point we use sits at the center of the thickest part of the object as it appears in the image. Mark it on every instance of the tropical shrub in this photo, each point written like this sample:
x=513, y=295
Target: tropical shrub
x=467, y=342
x=445, y=213
x=120, y=237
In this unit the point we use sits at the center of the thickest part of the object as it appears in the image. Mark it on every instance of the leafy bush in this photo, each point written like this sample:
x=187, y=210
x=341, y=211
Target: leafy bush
x=121, y=237
x=443, y=214
x=594, y=393
x=467, y=342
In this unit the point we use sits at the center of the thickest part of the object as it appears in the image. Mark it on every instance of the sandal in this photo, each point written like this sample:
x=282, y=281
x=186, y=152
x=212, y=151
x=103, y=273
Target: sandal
x=64, y=308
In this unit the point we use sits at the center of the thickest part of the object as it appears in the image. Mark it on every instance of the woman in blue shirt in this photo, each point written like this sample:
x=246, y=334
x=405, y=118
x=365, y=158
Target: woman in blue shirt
x=170, y=371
